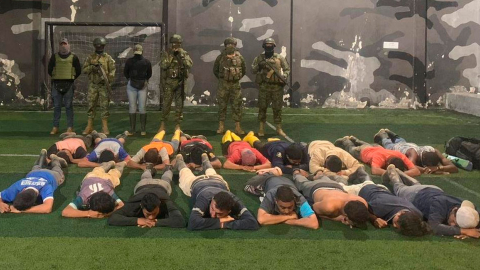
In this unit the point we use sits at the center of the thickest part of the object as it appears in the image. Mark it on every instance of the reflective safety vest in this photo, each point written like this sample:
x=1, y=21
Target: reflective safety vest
x=231, y=68
x=63, y=69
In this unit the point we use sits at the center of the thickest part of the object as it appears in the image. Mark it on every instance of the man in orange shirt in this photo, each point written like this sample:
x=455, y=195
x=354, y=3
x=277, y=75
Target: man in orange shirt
x=377, y=157
x=153, y=153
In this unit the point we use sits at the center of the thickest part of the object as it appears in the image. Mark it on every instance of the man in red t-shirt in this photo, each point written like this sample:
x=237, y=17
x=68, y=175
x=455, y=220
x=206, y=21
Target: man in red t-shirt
x=240, y=155
x=376, y=156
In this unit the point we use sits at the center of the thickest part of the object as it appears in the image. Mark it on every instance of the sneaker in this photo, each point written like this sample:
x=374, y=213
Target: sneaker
x=151, y=167
x=63, y=162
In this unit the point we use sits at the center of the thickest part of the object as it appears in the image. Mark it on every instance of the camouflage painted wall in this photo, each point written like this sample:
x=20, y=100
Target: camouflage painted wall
x=338, y=57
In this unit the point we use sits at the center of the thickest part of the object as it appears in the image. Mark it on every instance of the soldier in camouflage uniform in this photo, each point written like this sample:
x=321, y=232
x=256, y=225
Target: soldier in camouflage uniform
x=229, y=68
x=175, y=64
x=100, y=68
x=267, y=67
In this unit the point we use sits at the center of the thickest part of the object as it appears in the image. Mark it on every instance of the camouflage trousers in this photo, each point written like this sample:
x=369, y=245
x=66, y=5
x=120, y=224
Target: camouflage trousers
x=229, y=92
x=172, y=91
x=270, y=93
x=98, y=95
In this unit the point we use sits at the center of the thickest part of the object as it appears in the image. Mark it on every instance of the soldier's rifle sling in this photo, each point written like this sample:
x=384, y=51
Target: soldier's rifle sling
x=104, y=75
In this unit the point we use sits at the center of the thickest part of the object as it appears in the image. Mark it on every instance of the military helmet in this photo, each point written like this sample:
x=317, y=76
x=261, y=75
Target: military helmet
x=230, y=40
x=176, y=39
x=99, y=41
x=269, y=41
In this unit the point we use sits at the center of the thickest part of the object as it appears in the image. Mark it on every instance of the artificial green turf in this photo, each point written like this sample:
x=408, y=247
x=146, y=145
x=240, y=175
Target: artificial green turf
x=286, y=247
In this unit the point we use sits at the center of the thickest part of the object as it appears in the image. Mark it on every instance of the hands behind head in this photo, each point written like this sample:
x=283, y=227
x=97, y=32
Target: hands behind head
x=146, y=223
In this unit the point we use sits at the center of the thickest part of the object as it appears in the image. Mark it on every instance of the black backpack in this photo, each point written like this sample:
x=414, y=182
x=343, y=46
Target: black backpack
x=466, y=148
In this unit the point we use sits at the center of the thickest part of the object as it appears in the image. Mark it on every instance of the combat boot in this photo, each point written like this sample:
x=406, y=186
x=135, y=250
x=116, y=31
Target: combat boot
x=221, y=127
x=105, y=126
x=238, y=129
x=70, y=130
x=89, y=127
x=54, y=131
x=280, y=130
x=261, y=129
x=162, y=127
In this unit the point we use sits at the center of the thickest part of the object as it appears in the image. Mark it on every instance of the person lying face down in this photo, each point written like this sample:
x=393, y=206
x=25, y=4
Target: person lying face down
x=240, y=155
x=282, y=203
x=377, y=157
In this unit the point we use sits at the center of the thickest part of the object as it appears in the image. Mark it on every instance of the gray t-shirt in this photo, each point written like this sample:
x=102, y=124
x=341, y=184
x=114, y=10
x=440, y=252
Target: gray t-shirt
x=90, y=186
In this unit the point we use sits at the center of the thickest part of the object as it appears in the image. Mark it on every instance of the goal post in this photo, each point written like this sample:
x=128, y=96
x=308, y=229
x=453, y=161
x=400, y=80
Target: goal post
x=121, y=38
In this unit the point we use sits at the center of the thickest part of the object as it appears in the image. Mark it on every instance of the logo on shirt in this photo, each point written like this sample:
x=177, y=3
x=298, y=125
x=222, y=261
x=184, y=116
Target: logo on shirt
x=32, y=181
x=279, y=154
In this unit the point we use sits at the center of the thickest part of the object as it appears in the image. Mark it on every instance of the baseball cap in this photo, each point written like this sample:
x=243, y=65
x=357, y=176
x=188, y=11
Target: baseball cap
x=63, y=40
x=138, y=49
x=467, y=216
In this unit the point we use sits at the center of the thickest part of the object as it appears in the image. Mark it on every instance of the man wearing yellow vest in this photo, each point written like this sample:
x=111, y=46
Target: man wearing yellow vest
x=64, y=67
x=100, y=68
x=157, y=152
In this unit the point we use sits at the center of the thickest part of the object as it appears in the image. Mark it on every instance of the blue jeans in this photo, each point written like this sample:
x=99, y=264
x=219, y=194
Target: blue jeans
x=135, y=95
x=388, y=144
x=67, y=100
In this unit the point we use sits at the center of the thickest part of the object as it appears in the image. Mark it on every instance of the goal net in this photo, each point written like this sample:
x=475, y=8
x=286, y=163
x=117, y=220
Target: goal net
x=121, y=39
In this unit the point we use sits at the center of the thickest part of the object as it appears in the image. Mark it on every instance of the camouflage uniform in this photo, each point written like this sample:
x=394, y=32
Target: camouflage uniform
x=229, y=71
x=97, y=87
x=173, y=80
x=270, y=86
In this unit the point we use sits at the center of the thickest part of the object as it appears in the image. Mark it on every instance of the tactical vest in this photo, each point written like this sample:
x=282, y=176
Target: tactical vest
x=269, y=74
x=231, y=68
x=97, y=77
x=174, y=70
x=63, y=69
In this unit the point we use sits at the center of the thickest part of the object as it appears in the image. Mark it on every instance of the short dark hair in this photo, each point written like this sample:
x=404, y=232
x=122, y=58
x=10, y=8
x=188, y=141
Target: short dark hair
x=412, y=224
x=224, y=201
x=285, y=194
x=52, y=150
x=25, y=199
x=101, y=202
x=398, y=162
x=151, y=156
x=294, y=151
x=333, y=163
x=430, y=159
x=150, y=201
x=357, y=212
x=106, y=156
x=63, y=154
x=196, y=155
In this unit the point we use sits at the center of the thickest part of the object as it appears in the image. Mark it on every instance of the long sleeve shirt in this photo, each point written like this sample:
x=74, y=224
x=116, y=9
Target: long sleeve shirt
x=320, y=150
x=138, y=68
x=200, y=218
x=76, y=65
x=169, y=215
x=436, y=207
x=275, y=152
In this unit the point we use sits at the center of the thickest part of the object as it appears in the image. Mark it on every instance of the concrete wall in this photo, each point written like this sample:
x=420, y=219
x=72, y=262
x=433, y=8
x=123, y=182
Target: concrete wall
x=339, y=58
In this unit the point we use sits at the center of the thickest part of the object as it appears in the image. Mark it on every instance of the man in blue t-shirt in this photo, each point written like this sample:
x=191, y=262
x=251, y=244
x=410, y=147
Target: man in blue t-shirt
x=34, y=193
x=282, y=202
x=106, y=149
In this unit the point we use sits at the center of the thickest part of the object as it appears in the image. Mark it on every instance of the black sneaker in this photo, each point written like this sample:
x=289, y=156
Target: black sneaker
x=151, y=167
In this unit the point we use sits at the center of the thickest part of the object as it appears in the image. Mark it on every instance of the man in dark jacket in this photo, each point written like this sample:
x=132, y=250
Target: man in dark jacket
x=64, y=67
x=150, y=205
x=138, y=71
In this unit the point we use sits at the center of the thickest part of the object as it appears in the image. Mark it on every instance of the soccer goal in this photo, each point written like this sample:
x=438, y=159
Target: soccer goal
x=121, y=38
